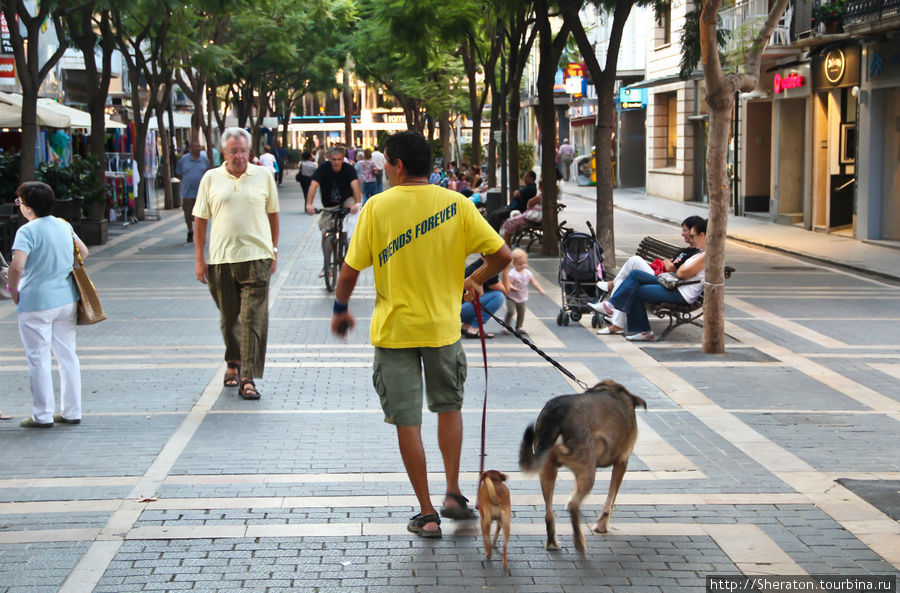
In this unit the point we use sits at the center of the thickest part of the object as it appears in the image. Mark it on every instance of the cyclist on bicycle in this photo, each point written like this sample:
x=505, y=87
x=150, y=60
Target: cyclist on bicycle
x=340, y=187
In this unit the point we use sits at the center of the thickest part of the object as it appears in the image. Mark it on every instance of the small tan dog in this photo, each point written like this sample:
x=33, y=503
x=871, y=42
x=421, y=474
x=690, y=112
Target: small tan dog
x=493, y=504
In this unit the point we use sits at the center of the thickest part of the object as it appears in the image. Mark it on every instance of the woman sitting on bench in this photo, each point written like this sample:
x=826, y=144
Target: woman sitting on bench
x=641, y=287
x=532, y=215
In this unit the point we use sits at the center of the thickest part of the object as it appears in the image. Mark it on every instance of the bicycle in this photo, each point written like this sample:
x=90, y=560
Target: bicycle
x=334, y=247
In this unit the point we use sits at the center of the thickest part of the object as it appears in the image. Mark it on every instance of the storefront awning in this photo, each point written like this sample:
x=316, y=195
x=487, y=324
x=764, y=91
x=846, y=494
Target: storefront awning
x=10, y=116
x=77, y=117
x=181, y=120
x=45, y=117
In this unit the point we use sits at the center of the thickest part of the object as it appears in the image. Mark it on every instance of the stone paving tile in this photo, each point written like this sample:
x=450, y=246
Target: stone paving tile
x=68, y=520
x=765, y=387
x=95, y=447
x=38, y=567
x=859, y=370
x=833, y=442
x=34, y=494
x=458, y=563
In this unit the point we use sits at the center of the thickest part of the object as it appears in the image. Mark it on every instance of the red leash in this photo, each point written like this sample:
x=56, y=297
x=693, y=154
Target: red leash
x=477, y=304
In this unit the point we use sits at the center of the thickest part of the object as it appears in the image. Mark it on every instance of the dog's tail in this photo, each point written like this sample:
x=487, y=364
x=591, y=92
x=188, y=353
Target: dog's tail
x=533, y=451
x=489, y=484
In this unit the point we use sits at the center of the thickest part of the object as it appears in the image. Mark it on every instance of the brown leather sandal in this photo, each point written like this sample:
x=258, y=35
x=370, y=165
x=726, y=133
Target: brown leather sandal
x=248, y=389
x=232, y=378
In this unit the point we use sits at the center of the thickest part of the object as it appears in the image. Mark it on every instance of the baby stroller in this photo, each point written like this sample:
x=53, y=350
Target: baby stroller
x=580, y=267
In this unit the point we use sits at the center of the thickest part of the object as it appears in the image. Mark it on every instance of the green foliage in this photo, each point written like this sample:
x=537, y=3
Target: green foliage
x=527, y=152
x=690, y=41
x=292, y=155
x=75, y=179
x=829, y=11
x=468, y=154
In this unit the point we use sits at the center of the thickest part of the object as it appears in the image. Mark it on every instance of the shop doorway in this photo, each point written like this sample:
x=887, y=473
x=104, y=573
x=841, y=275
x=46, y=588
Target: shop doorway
x=632, y=149
x=791, y=162
x=834, y=163
x=757, y=157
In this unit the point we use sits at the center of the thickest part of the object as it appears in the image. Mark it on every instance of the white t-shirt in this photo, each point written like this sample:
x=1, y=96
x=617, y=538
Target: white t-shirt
x=518, y=284
x=378, y=159
x=690, y=292
x=267, y=160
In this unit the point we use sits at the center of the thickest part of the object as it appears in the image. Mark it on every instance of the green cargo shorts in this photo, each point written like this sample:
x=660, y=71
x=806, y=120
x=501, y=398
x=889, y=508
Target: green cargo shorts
x=397, y=376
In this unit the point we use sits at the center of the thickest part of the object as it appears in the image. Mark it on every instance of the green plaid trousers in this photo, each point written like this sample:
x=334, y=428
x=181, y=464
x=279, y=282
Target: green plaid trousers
x=241, y=292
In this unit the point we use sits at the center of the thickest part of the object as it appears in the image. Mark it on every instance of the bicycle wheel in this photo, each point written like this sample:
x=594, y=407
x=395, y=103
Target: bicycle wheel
x=329, y=275
x=338, y=248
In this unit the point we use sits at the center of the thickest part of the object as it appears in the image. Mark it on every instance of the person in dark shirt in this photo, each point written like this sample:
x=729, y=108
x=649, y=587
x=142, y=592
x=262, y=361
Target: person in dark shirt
x=492, y=299
x=519, y=201
x=339, y=187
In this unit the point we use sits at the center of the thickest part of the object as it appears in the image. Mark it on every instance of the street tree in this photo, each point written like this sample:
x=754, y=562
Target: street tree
x=521, y=33
x=422, y=72
x=29, y=69
x=550, y=48
x=90, y=30
x=142, y=30
x=721, y=87
x=604, y=80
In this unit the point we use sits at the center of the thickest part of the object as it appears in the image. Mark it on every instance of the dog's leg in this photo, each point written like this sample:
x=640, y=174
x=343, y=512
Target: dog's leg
x=584, y=481
x=548, y=483
x=505, y=519
x=486, y=531
x=614, y=482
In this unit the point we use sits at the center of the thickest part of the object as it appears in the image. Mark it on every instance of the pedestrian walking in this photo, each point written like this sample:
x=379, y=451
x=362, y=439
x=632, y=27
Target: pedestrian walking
x=307, y=169
x=378, y=160
x=280, y=159
x=241, y=202
x=416, y=236
x=190, y=170
x=41, y=283
x=566, y=154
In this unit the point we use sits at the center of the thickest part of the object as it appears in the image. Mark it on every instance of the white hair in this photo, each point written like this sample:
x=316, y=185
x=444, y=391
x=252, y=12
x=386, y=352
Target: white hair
x=235, y=132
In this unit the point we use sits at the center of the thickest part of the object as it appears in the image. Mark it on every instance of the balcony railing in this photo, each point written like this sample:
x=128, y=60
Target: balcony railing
x=864, y=11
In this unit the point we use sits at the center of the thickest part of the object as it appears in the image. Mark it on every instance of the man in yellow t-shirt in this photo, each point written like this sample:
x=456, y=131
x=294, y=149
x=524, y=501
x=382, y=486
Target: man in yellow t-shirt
x=242, y=201
x=416, y=236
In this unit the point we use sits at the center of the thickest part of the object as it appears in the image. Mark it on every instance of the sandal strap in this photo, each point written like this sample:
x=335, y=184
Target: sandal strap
x=422, y=520
x=460, y=499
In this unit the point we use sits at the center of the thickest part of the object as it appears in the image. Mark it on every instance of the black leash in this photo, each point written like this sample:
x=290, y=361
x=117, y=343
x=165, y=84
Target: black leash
x=528, y=342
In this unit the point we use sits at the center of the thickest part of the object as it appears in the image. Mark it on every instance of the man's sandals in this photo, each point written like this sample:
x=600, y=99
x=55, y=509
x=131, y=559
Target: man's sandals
x=418, y=522
x=248, y=389
x=232, y=374
x=460, y=510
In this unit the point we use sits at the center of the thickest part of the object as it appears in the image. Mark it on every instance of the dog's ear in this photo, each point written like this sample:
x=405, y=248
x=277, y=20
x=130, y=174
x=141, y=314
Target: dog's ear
x=501, y=476
x=638, y=401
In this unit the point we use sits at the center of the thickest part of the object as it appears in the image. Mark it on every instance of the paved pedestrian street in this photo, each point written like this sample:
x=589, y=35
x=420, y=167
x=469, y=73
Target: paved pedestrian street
x=779, y=457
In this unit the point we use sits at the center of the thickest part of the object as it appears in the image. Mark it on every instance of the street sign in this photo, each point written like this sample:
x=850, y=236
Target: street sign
x=5, y=42
x=7, y=70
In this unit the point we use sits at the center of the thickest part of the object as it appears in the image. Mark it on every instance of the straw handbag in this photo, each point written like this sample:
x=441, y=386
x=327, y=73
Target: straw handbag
x=90, y=310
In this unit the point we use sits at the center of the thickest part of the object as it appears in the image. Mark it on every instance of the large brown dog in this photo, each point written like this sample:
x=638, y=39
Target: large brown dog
x=584, y=431
x=494, y=505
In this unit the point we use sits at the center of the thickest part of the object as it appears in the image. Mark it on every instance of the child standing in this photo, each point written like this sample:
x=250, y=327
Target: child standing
x=516, y=279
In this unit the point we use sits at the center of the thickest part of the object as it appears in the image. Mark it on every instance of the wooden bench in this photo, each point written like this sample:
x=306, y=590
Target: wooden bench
x=651, y=248
x=532, y=232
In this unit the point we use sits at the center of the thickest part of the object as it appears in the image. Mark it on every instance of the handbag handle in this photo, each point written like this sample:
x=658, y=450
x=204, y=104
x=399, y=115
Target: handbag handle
x=78, y=259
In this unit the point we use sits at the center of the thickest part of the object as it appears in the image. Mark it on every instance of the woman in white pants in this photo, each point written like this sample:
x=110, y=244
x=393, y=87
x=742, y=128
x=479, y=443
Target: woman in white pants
x=41, y=283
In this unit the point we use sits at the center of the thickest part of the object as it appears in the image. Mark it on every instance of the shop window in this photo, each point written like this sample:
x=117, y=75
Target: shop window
x=664, y=25
x=671, y=128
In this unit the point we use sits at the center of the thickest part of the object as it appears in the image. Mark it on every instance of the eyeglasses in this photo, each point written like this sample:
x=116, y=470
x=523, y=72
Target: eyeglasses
x=18, y=202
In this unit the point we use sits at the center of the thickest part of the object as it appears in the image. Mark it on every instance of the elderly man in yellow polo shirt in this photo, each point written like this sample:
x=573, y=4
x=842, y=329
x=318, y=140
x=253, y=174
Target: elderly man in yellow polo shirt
x=242, y=201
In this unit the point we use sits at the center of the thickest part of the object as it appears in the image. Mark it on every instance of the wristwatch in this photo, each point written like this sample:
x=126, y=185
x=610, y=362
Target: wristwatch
x=274, y=250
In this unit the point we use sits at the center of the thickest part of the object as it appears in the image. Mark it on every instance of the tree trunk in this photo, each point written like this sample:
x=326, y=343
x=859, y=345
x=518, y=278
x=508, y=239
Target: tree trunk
x=719, y=197
x=348, y=106
x=549, y=49
x=444, y=126
x=512, y=138
x=165, y=172
x=29, y=70
x=720, y=97
x=492, y=141
x=604, y=83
